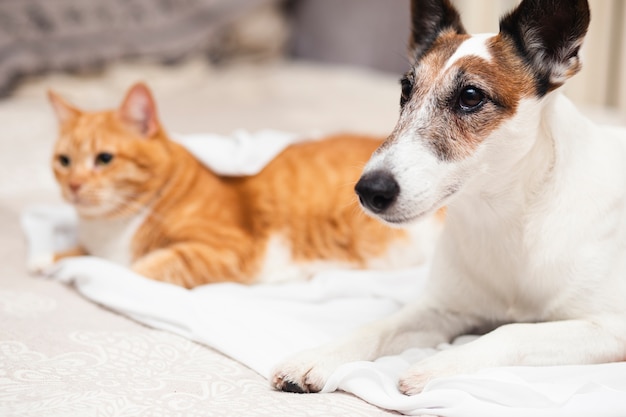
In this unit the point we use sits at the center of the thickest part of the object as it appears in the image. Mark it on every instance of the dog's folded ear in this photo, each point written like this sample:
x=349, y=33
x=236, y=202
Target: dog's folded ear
x=549, y=34
x=428, y=19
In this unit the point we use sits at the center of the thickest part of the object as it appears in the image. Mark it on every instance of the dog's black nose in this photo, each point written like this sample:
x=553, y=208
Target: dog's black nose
x=377, y=190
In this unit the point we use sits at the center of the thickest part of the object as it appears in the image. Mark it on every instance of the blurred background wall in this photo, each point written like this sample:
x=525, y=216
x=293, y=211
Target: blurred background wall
x=374, y=33
x=38, y=36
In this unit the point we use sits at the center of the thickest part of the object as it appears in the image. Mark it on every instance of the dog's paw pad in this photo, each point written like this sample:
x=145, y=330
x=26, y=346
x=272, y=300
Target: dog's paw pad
x=296, y=381
x=288, y=386
x=285, y=384
x=302, y=374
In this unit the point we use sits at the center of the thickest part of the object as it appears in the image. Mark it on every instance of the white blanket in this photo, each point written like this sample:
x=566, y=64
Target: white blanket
x=241, y=153
x=260, y=325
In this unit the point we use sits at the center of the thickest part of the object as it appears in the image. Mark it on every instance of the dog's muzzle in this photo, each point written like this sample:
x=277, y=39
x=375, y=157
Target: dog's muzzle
x=377, y=191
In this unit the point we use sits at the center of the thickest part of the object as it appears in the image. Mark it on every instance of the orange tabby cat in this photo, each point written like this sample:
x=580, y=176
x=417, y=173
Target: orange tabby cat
x=146, y=202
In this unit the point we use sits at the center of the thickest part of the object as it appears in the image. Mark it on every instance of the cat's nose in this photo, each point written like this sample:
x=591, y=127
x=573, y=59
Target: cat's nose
x=377, y=190
x=74, y=186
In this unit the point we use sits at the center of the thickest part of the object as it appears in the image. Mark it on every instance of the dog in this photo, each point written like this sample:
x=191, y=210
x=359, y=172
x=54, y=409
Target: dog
x=533, y=252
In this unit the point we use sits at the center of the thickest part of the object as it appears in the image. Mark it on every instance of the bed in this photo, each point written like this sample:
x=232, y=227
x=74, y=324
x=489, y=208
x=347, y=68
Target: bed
x=75, y=347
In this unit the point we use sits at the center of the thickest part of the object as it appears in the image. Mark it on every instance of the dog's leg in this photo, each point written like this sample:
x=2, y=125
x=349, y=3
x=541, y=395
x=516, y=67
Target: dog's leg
x=553, y=343
x=416, y=325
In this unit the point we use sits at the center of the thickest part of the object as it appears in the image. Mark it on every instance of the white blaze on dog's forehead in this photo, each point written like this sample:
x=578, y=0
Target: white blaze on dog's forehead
x=474, y=46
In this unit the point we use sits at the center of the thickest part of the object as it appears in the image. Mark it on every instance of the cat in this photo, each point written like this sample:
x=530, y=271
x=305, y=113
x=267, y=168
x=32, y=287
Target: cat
x=145, y=202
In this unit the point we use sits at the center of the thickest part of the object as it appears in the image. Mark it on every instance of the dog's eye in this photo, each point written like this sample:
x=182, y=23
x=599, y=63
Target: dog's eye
x=407, y=89
x=104, y=158
x=471, y=98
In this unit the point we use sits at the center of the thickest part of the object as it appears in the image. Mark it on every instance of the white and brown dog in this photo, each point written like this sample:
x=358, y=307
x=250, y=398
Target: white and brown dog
x=534, y=248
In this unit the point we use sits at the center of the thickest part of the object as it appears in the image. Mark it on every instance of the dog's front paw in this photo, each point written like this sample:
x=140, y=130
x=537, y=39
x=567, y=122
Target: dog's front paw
x=303, y=373
x=414, y=381
x=438, y=366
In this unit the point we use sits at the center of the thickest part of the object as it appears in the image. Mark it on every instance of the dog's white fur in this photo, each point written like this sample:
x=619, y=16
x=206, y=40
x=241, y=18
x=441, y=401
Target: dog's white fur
x=534, y=247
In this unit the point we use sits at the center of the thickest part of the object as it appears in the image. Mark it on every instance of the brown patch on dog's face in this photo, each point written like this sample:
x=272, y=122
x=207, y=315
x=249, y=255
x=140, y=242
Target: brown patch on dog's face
x=455, y=106
x=427, y=70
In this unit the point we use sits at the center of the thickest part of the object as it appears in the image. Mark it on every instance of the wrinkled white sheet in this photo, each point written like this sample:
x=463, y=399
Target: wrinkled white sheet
x=242, y=152
x=261, y=325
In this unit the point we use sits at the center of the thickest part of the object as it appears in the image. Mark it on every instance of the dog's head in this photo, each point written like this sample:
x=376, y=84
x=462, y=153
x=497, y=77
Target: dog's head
x=469, y=104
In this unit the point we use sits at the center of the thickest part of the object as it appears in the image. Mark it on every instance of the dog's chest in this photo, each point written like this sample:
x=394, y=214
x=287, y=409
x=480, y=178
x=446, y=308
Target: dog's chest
x=110, y=239
x=517, y=294
x=520, y=281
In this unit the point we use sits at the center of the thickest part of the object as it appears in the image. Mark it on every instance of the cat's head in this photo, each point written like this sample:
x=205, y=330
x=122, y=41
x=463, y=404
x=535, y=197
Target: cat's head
x=110, y=163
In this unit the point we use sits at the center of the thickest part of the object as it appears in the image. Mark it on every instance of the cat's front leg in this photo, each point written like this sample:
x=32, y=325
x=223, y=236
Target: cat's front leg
x=164, y=265
x=38, y=265
x=192, y=264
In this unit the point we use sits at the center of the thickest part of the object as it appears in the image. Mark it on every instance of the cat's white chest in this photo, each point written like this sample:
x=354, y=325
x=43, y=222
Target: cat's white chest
x=110, y=239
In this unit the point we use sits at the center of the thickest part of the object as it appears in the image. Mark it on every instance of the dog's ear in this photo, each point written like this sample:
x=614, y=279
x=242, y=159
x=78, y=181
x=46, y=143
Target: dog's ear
x=428, y=19
x=549, y=34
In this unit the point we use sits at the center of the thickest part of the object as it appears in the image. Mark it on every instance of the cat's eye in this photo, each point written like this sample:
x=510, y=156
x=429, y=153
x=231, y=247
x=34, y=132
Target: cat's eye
x=64, y=160
x=104, y=158
x=470, y=99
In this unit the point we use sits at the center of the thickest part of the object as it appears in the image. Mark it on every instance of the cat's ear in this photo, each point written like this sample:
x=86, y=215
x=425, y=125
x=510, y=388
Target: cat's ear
x=138, y=111
x=64, y=111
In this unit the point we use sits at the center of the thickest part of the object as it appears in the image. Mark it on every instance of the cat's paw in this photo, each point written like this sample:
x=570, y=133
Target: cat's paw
x=40, y=264
x=304, y=373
